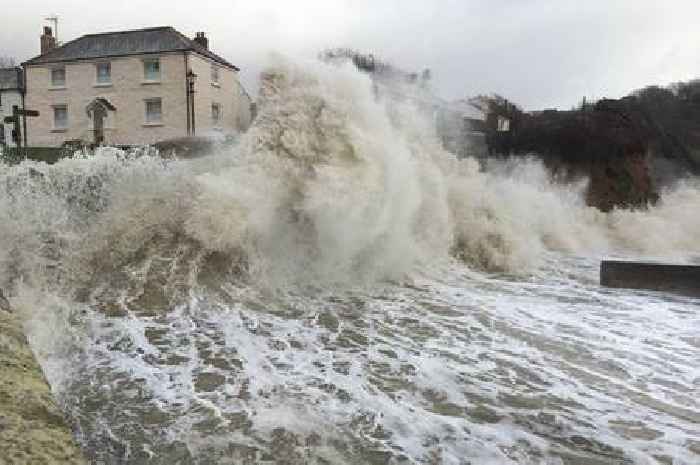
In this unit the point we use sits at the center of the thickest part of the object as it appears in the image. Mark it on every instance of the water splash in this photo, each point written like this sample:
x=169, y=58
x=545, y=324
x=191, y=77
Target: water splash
x=170, y=279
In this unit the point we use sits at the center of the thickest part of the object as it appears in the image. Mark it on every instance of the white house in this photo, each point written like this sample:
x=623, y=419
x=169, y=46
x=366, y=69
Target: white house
x=130, y=88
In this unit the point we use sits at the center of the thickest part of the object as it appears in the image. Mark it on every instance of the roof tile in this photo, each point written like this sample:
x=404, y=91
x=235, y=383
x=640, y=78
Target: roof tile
x=122, y=43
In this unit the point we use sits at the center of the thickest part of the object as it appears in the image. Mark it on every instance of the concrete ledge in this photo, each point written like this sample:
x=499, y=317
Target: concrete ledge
x=679, y=279
x=32, y=428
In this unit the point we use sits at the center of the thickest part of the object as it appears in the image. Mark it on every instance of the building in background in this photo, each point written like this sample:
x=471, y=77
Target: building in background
x=462, y=128
x=11, y=94
x=131, y=88
x=460, y=125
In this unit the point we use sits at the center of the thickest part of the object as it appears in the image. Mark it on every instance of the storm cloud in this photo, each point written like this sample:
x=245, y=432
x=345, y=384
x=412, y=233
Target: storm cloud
x=538, y=53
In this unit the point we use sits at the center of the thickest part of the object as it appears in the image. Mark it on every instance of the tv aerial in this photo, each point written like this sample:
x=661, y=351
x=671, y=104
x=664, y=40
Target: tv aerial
x=53, y=18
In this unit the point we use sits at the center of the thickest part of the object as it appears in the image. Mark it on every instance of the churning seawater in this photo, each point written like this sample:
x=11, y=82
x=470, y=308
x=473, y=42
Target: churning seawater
x=338, y=289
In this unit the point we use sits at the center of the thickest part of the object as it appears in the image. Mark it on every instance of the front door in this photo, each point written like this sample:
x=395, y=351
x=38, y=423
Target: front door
x=98, y=121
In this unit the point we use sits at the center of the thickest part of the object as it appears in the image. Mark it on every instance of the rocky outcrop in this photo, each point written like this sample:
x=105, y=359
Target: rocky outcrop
x=623, y=182
x=629, y=148
x=609, y=143
x=32, y=428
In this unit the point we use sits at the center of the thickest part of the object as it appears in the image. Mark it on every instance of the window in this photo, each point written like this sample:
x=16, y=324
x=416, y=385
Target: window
x=214, y=74
x=154, y=113
x=60, y=117
x=58, y=77
x=215, y=113
x=104, y=73
x=151, y=69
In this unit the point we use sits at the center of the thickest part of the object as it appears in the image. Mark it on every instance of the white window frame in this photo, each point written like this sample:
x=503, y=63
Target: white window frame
x=108, y=82
x=146, y=77
x=63, y=127
x=54, y=84
x=503, y=124
x=148, y=121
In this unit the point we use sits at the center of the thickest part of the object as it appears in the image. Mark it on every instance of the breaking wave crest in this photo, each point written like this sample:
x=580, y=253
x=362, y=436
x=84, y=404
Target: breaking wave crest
x=330, y=184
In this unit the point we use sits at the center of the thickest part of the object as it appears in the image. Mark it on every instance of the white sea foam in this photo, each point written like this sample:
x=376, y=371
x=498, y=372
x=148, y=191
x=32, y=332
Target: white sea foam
x=334, y=188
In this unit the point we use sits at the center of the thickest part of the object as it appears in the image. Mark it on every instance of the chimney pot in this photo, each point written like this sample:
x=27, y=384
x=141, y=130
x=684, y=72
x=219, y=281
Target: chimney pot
x=201, y=39
x=47, y=41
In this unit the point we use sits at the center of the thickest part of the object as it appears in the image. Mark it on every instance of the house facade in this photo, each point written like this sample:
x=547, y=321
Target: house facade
x=11, y=94
x=131, y=88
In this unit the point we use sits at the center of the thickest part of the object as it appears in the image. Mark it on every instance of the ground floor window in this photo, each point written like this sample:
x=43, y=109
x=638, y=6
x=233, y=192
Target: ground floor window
x=60, y=117
x=154, y=110
x=215, y=113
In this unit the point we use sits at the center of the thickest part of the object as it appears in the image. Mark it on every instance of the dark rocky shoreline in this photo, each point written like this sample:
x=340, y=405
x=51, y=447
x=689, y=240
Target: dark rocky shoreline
x=628, y=148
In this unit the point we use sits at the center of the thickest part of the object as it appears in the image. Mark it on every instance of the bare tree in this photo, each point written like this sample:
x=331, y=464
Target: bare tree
x=7, y=61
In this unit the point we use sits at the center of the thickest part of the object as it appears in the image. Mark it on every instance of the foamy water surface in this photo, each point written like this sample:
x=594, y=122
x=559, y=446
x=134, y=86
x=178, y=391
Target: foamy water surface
x=456, y=367
x=337, y=288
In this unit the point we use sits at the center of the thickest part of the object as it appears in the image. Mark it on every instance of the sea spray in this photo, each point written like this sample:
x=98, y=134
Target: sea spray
x=245, y=306
x=331, y=183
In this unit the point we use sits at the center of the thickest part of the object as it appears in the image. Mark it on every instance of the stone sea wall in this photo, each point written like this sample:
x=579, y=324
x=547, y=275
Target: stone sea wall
x=32, y=428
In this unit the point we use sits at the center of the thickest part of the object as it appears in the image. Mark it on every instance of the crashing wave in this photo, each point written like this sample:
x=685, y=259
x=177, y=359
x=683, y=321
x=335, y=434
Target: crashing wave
x=331, y=184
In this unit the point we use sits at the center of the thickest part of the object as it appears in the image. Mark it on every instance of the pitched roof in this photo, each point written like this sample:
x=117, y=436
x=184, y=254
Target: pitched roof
x=10, y=78
x=123, y=43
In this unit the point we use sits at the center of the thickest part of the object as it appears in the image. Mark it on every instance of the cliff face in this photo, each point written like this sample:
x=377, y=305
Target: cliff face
x=628, y=147
x=609, y=143
x=623, y=182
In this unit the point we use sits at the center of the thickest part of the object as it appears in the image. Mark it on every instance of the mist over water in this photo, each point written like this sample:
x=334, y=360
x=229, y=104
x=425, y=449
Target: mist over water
x=336, y=288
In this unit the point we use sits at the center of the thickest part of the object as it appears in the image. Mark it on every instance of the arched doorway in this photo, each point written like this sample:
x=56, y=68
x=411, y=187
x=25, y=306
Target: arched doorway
x=97, y=111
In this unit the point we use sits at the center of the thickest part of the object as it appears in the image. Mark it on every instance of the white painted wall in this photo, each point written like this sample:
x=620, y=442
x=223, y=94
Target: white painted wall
x=226, y=93
x=128, y=92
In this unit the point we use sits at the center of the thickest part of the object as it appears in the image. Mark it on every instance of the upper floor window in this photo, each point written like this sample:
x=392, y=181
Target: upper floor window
x=58, y=77
x=215, y=113
x=151, y=69
x=214, y=74
x=60, y=117
x=154, y=110
x=104, y=73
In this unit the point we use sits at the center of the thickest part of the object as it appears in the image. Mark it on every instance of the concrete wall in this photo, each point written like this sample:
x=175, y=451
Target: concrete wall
x=127, y=92
x=227, y=93
x=679, y=279
x=7, y=99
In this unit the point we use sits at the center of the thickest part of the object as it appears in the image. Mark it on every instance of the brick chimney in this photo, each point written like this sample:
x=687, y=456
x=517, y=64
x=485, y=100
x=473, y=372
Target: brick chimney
x=48, y=41
x=201, y=39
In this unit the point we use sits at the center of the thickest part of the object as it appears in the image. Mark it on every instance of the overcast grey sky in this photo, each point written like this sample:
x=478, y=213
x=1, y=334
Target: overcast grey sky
x=539, y=53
